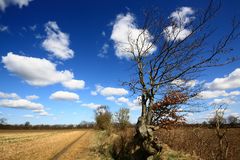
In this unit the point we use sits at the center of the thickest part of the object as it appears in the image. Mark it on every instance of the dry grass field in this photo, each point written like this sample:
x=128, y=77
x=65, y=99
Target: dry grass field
x=188, y=142
x=202, y=142
x=43, y=145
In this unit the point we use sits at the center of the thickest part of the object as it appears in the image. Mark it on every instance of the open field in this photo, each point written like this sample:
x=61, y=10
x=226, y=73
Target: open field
x=43, y=145
x=82, y=143
x=200, y=141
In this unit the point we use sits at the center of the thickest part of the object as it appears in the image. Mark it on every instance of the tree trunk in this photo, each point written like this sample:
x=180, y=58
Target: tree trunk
x=144, y=138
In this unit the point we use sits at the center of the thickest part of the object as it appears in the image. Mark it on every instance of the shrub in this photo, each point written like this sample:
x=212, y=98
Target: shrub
x=123, y=146
x=232, y=120
x=103, y=118
x=122, y=118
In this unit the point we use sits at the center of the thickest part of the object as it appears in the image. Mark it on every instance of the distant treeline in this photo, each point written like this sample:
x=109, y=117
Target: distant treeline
x=89, y=125
x=27, y=125
x=202, y=125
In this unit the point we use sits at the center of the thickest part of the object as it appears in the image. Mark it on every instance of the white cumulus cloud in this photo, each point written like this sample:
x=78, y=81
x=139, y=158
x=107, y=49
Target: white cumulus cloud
x=124, y=31
x=217, y=93
x=133, y=105
x=12, y=100
x=231, y=81
x=35, y=71
x=180, y=18
x=57, y=42
x=22, y=103
x=74, y=84
x=44, y=113
x=90, y=105
x=219, y=101
x=180, y=82
x=64, y=95
x=32, y=97
x=28, y=116
x=175, y=33
x=111, y=98
x=9, y=95
x=20, y=3
x=109, y=91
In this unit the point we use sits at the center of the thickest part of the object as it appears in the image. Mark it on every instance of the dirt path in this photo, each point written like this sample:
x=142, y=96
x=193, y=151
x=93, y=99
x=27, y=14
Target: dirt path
x=47, y=145
x=66, y=148
x=80, y=149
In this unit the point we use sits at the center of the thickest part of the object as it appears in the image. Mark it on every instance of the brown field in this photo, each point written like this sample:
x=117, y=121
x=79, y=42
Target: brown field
x=81, y=144
x=43, y=145
x=202, y=142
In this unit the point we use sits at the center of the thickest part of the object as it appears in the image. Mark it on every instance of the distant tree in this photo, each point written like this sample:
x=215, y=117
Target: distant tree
x=232, y=120
x=83, y=124
x=103, y=118
x=122, y=117
x=218, y=118
x=27, y=124
x=3, y=121
x=204, y=123
x=221, y=133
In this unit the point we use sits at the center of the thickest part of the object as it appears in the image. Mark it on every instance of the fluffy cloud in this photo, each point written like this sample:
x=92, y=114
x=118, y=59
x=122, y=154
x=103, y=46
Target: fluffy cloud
x=111, y=98
x=180, y=82
x=12, y=100
x=57, y=42
x=218, y=93
x=28, y=116
x=3, y=28
x=63, y=95
x=133, y=105
x=5, y=3
x=180, y=18
x=32, y=97
x=44, y=113
x=122, y=100
x=9, y=95
x=91, y=105
x=109, y=91
x=226, y=101
x=175, y=33
x=229, y=82
x=35, y=71
x=74, y=84
x=94, y=93
x=23, y=104
x=235, y=114
x=124, y=31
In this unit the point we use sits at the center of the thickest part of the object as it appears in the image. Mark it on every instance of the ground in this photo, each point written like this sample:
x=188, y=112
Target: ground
x=42, y=145
x=188, y=143
x=200, y=141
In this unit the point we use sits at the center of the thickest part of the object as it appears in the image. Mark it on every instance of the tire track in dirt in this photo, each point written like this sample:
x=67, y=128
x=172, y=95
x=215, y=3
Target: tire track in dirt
x=58, y=155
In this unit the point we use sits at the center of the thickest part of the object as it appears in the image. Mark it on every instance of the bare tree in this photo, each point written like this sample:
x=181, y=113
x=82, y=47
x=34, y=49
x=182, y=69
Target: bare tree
x=220, y=132
x=122, y=118
x=232, y=120
x=165, y=62
x=3, y=121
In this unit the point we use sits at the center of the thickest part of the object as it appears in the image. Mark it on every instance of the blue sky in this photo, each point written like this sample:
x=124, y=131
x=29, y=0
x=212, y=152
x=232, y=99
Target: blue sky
x=59, y=59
